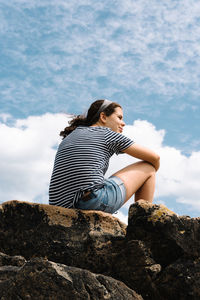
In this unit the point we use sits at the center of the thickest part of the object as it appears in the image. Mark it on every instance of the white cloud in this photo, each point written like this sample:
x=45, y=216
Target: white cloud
x=28, y=150
x=27, y=156
x=4, y=117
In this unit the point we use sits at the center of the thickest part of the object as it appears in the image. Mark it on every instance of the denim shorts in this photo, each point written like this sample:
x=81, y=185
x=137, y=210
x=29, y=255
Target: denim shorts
x=109, y=198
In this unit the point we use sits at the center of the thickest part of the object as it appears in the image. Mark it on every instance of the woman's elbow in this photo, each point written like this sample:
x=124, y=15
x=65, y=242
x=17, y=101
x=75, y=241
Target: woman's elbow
x=157, y=157
x=157, y=162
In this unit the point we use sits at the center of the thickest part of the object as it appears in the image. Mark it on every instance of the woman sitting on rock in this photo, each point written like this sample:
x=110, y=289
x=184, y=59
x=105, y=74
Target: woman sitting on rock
x=83, y=157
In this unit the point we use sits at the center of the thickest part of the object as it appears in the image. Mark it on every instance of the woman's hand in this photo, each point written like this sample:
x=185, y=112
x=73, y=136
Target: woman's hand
x=145, y=154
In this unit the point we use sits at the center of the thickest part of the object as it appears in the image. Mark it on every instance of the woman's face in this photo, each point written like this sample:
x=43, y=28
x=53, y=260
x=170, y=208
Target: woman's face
x=115, y=121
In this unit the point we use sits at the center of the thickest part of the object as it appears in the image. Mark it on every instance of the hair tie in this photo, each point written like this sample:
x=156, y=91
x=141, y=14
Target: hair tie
x=103, y=106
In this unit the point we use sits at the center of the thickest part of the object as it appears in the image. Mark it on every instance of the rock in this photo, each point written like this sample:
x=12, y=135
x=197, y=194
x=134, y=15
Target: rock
x=180, y=280
x=136, y=268
x=17, y=260
x=73, y=237
x=7, y=272
x=43, y=279
x=9, y=265
x=168, y=236
x=157, y=255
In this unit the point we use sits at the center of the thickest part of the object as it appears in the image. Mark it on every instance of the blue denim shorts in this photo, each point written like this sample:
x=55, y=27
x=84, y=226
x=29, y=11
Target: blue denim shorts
x=109, y=198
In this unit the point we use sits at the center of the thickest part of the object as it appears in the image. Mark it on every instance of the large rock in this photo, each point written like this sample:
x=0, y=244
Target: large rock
x=157, y=256
x=180, y=280
x=73, y=237
x=173, y=243
x=135, y=266
x=43, y=279
x=168, y=236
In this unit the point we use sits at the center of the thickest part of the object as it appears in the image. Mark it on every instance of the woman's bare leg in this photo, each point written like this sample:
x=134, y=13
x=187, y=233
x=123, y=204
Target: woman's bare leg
x=139, y=179
x=146, y=191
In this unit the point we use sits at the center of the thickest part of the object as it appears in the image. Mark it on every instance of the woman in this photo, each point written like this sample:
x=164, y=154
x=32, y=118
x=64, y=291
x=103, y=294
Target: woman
x=83, y=157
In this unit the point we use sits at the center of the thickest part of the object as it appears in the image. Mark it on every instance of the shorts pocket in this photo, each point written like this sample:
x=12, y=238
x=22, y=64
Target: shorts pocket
x=105, y=206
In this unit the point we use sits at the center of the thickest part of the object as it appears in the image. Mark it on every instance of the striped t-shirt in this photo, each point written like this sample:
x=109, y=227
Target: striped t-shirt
x=81, y=161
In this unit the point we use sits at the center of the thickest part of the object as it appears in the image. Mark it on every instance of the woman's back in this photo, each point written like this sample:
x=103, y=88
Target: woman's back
x=81, y=162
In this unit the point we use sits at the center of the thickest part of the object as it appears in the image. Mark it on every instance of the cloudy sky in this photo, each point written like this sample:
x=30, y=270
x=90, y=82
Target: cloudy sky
x=56, y=57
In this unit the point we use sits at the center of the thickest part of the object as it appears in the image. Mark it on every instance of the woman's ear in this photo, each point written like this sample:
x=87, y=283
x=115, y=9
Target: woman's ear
x=102, y=117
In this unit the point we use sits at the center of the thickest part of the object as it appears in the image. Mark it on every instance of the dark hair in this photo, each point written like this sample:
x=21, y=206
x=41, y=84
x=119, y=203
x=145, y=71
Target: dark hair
x=91, y=118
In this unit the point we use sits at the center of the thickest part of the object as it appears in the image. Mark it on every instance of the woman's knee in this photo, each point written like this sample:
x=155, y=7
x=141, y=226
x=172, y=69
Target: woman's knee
x=135, y=176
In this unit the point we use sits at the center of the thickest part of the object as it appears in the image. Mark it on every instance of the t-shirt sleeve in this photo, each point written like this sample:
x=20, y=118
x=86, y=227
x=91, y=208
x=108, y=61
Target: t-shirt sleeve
x=117, y=142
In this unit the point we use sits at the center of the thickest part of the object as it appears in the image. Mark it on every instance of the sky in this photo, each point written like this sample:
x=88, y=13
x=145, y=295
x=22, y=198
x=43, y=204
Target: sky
x=57, y=57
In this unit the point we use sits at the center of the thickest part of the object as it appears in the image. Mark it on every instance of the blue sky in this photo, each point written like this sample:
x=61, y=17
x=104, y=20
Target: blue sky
x=57, y=57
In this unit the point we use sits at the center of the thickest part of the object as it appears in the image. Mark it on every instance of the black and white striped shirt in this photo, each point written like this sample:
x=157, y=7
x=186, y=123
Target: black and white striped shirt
x=81, y=161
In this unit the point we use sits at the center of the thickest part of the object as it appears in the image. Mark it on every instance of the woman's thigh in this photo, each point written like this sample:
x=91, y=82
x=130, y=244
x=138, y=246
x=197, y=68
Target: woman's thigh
x=134, y=176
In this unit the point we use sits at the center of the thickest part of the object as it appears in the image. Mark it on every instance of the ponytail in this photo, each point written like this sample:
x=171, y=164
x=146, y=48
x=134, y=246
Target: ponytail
x=75, y=122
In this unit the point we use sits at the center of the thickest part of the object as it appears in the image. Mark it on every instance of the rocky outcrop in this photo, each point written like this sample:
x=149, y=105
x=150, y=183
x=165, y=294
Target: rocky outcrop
x=50, y=252
x=168, y=236
x=43, y=279
x=83, y=239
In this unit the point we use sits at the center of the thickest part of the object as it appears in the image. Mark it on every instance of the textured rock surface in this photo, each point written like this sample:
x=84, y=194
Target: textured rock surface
x=135, y=267
x=11, y=260
x=42, y=279
x=9, y=265
x=156, y=256
x=71, y=237
x=181, y=278
x=168, y=236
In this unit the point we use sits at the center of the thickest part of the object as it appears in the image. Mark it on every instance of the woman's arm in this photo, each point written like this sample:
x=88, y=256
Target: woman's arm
x=145, y=154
